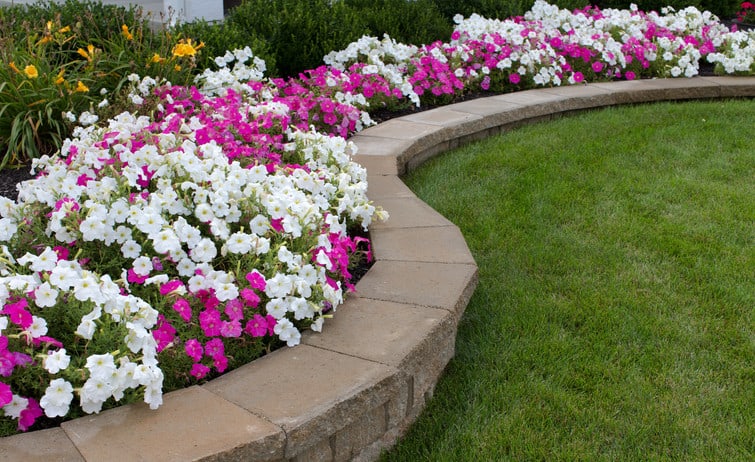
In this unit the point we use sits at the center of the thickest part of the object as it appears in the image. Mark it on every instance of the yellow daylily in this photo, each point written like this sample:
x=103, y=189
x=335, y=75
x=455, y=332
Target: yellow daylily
x=81, y=88
x=126, y=33
x=59, y=78
x=31, y=71
x=63, y=30
x=88, y=53
x=12, y=65
x=185, y=48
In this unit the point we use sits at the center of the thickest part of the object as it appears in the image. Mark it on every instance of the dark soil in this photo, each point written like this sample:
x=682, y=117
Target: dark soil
x=10, y=177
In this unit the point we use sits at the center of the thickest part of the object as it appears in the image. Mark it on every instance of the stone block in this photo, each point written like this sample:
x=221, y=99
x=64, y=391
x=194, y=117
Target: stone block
x=39, y=446
x=192, y=424
x=419, y=341
x=386, y=186
x=734, y=87
x=441, y=285
x=369, y=428
x=409, y=212
x=440, y=244
x=309, y=392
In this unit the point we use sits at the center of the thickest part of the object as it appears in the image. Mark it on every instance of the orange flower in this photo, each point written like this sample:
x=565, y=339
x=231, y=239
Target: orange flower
x=184, y=47
x=88, y=53
x=31, y=71
x=12, y=65
x=81, y=88
x=126, y=33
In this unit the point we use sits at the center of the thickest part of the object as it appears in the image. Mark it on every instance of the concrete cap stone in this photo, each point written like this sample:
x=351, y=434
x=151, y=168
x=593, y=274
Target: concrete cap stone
x=409, y=212
x=307, y=391
x=734, y=87
x=386, y=186
x=409, y=337
x=444, y=244
x=191, y=424
x=39, y=446
x=447, y=286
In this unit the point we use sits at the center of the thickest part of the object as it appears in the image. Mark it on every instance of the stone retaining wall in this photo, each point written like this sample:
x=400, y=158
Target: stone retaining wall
x=350, y=392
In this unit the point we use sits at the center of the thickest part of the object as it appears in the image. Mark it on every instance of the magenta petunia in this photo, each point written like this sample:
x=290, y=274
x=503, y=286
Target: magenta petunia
x=193, y=349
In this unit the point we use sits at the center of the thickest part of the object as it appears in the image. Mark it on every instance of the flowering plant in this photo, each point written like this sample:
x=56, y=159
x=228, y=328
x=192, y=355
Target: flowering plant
x=192, y=238
x=746, y=14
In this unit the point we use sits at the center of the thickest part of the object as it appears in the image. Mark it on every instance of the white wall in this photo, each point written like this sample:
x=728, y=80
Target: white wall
x=161, y=10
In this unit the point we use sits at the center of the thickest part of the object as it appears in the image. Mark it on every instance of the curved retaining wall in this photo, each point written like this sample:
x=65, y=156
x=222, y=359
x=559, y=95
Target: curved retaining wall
x=350, y=392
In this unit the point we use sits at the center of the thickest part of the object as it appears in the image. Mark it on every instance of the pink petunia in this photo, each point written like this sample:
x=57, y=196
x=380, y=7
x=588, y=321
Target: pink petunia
x=214, y=348
x=6, y=395
x=199, y=370
x=250, y=297
x=171, y=286
x=29, y=415
x=209, y=321
x=256, y=327
x=182, y=307
x=256, y=280
x=231, y=328
x=193, y=349
x=515, y=78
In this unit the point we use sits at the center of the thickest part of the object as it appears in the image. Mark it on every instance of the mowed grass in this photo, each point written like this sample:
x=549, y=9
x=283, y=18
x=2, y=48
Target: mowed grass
x=613, y=319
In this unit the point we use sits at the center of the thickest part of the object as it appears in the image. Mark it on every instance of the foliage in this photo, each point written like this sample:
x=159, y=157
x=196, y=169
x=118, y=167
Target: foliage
x=93, y=53
x=221, y=37
x=414, y=22
x=298, y=32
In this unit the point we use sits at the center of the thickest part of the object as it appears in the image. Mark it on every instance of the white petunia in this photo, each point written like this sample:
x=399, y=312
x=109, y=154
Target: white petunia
x=45, y=295
x=57, y=398
x=57, y=361
x=287, y=332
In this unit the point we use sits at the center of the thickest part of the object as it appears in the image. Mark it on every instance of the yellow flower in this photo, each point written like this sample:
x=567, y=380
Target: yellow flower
x=80, y=87
x=13, y=66
x=88, y=53
x=126, y=33
x=176, y=68
x=45, y=39
x=185, y=48
x=31, y=71
x=59, y=78
x=49, y=25
x=156, y=58
x=63, y=30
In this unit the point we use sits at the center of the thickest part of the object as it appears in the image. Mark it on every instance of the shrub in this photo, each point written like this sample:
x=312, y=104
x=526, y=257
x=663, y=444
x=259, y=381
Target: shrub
x=299, y=32
x=416, y=22
x=221, y=37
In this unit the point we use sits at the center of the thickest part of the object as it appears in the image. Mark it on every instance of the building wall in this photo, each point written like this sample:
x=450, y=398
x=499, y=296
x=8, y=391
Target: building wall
x=164, y=10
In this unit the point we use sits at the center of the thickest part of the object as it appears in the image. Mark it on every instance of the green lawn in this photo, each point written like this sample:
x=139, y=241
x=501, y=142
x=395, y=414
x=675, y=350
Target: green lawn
x=614, y=314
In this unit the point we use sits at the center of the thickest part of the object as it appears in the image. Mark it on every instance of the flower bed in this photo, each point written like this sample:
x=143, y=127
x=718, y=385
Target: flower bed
x=197, y=236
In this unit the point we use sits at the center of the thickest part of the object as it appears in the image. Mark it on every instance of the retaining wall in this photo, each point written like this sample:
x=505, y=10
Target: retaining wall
x=350, y=392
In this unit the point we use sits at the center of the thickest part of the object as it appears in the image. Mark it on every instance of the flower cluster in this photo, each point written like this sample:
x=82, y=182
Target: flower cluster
x=217, y=221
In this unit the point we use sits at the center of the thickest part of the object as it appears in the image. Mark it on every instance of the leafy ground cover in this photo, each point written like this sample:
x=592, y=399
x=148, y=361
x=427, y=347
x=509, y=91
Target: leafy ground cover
x=613, y=319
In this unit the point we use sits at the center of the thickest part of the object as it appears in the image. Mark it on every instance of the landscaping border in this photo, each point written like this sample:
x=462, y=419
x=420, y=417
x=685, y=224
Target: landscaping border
x=351, y=391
